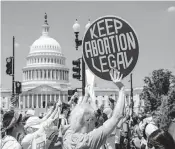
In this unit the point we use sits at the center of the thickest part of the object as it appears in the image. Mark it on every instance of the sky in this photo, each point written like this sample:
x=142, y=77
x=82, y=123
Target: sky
x=154, y=23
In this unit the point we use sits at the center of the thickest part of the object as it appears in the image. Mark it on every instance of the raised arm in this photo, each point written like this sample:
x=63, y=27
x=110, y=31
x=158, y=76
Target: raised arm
x=47, y=115
x=72, y=98
x=98, y=136
x=126, y=116
x=57, y=111
x=46, y=124
x=90, y=90
x=111, y=123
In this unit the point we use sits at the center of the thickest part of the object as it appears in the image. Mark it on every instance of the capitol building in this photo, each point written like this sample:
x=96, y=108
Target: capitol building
x=46, y=77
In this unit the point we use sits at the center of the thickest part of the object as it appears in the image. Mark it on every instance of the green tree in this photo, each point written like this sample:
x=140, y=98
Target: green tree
x=171, y=104
x=167, y=110
x=159, y=84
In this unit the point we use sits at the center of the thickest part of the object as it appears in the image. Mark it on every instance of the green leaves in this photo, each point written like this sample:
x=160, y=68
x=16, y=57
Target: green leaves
x=157, y=85
x=159, y=95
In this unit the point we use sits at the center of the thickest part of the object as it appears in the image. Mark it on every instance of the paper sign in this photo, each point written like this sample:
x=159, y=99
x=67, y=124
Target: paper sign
x=90, y=77
x=39, y=142
x=110, y=42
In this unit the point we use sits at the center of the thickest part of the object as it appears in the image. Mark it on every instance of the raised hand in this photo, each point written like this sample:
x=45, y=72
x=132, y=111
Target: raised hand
x=74, y=96
x=87, y=95
x=90, y=90
x=116, y=77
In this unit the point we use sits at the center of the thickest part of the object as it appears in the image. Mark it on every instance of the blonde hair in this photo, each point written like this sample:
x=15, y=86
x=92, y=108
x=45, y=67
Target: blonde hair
x=78, y=114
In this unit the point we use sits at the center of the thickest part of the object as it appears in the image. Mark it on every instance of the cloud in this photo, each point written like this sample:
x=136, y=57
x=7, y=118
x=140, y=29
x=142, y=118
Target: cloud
x=17, y=44
x=171, y=9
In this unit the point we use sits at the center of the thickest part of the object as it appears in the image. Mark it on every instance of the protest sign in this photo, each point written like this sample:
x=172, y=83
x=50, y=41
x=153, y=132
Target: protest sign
x=110, y=42
x=39, y=142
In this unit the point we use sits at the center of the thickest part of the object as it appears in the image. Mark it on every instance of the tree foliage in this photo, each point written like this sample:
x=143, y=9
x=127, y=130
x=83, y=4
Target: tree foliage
x=159, y=95
x=167, y=110
x=159, y=84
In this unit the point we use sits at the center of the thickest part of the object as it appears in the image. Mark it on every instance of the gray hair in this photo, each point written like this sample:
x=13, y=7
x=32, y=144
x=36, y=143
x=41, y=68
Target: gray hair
x=77, y=116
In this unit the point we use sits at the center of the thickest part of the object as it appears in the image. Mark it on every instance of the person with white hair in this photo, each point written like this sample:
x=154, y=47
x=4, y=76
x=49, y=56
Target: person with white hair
x=82, y=133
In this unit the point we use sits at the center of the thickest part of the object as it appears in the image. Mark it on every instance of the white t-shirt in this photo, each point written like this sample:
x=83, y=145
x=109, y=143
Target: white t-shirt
x=9, y=142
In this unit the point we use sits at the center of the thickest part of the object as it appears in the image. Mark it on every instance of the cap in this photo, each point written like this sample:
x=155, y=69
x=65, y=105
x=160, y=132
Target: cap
x=31, y=112
x=33, y=121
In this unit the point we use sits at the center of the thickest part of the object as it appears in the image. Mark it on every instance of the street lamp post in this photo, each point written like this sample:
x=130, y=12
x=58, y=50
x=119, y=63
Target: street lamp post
x=76, y=28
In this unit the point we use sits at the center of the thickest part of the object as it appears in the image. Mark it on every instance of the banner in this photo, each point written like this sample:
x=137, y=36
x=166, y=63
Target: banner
x=90, y=77
x=39, y=142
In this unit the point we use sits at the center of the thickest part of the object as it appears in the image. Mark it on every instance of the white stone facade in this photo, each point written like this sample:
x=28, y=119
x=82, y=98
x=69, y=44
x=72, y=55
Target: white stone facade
x=45, y=76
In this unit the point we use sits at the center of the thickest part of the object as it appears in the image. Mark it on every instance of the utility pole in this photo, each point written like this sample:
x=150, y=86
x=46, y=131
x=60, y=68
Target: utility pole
x=13, y=69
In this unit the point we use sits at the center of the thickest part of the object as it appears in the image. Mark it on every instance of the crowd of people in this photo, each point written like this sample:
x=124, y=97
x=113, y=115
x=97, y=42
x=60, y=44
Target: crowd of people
x=83, y=124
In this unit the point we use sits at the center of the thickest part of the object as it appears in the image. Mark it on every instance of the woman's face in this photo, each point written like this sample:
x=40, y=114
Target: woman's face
x=91, y=121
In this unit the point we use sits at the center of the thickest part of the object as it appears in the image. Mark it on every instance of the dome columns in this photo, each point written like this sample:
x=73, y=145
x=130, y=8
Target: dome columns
x=46, y=74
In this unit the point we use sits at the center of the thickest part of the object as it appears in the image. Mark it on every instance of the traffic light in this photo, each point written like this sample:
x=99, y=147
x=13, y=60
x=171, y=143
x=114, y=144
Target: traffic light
x=76, y=69
x=9, y=68
x=18, y=87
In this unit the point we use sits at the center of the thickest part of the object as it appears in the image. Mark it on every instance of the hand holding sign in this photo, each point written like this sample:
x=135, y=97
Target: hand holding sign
x=116, y=77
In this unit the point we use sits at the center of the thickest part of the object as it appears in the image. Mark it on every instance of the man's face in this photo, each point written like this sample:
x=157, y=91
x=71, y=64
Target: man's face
x=65, y=113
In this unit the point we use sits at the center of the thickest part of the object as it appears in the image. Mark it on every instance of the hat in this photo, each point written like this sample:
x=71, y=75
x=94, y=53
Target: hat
x=33, y=122
x=31, y=112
